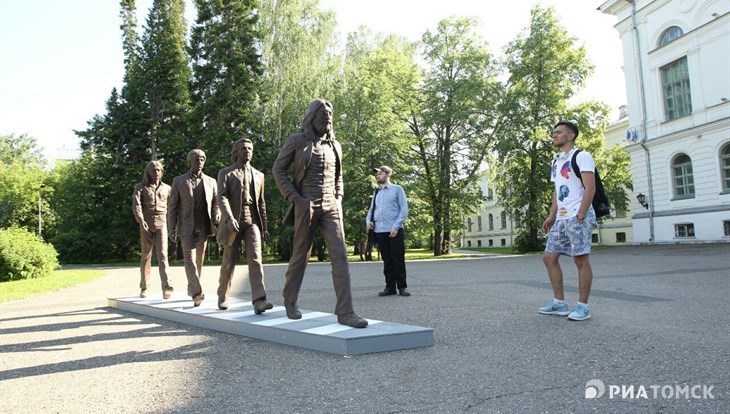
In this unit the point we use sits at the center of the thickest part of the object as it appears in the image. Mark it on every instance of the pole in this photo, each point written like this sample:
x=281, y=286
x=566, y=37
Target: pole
x=40, y=226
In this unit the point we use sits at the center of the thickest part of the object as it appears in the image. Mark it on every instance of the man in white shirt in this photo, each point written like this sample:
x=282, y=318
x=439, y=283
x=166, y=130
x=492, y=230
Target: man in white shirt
x=570, y=224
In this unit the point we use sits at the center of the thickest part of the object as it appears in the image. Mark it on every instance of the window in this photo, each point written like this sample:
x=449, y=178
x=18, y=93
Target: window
x=490, y=221
x=684, y=185
x=504, y=220
x=468, y=243
x=684, y=230
x=620, y=237
x=479, y=243
x=503, y=242
x=726, y=227
x=668, y=36
x=469, y=224
x=725, y=167
x=676, y=90
x=491, y=242
x=490, y=194
x=620, y=212
x=479, y=223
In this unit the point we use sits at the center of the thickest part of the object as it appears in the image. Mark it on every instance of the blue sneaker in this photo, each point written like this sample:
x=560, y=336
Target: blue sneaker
x=580, y=313
x=553, y=309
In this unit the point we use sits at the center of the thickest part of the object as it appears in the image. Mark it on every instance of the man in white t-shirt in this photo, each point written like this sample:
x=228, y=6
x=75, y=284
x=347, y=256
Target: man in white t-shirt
x=570, y=224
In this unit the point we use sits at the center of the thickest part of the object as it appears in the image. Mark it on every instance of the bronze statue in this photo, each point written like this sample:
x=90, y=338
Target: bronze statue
x=149, y=205
x=192, y=212
x=316, y=196
x=242, y=204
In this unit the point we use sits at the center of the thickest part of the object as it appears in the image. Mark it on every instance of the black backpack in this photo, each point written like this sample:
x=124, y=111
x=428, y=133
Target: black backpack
x=601, y=205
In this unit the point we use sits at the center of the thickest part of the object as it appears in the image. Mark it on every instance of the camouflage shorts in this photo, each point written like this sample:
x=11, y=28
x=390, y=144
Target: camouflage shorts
x=571, y=238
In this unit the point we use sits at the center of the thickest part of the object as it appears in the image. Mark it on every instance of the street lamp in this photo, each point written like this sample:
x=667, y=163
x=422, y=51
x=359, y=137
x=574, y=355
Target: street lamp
x=641, y=198
x=40, y=192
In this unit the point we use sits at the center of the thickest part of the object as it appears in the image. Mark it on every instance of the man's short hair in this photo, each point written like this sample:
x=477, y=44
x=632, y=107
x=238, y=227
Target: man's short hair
x=384, y=168
x=195, y=154
x=572, y=125
x=237, y=145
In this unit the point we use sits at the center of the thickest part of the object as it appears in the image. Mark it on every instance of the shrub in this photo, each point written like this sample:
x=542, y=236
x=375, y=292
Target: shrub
x=24, y=255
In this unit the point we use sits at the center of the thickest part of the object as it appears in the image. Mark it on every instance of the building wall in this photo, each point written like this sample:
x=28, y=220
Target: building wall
x=700, y=134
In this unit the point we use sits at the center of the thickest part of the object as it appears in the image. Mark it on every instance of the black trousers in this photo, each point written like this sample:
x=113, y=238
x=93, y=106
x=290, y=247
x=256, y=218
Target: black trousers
x=393, y=253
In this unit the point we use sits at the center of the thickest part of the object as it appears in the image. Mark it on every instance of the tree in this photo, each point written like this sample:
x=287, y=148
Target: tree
x=95, y=222
x=225, y=85
x=453, y=122
x=166, y=74
x=147, y=120
x=298, y=66
x=380, y=75
x=24, y=175
x=546, y=68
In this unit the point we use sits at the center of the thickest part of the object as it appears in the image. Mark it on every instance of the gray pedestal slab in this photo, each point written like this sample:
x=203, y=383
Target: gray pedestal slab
x=316, y=330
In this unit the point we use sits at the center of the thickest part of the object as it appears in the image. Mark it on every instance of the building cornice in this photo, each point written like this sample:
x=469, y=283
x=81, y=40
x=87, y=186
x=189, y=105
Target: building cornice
x=698, y=131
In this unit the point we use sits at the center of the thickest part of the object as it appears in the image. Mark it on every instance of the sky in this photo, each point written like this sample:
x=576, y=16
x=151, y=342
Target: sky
x=59, y=60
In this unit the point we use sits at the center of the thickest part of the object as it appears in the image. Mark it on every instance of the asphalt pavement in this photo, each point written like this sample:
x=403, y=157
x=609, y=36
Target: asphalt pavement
x=658, y=342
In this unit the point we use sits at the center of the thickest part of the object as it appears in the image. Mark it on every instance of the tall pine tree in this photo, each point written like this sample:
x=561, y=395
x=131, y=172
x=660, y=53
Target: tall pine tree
x=166, y=76
x=226, y=77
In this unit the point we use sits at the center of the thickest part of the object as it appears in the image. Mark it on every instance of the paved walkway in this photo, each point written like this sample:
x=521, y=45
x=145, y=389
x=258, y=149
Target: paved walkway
x=660, y=319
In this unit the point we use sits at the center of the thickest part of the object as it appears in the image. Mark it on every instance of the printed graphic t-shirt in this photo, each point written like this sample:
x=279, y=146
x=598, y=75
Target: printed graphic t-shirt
x=568, y=187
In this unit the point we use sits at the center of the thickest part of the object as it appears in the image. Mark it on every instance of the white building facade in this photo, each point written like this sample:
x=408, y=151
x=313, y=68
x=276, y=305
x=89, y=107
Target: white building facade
x=678, y=87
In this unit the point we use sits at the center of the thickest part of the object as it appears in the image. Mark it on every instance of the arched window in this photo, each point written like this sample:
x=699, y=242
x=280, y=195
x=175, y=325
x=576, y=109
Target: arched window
x=469, y=224
x=684, y=185
x=725, y=166
x=491, y=221
x=504, y=220
x=479, y=223
x=668, y=36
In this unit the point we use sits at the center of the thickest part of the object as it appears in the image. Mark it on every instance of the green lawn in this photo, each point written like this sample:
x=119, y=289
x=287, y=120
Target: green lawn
x=59, y=279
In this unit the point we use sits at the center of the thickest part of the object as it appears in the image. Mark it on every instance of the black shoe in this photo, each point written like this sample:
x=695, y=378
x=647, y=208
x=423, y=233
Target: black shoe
x=405, y=292
x=292, y=311
x=352, y=320
x=387, y=292
x=222, y=304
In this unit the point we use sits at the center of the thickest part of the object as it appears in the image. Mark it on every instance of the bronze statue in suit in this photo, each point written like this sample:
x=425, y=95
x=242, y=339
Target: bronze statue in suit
x=149, y=205
x=243, y=210
x=192, y=212
x=316, y=196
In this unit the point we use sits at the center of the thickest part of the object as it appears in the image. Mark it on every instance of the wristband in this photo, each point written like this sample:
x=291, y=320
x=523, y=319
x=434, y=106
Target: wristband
x=581, y=218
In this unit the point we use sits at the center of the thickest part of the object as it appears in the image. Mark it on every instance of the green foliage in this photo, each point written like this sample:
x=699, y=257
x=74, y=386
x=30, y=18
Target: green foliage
x=226, y=77
x=147, y=120
x=451, y=123
x=295, y=40
x=24, y=178
x=24, y=255
x=93, y=201
x=546, y=69
x=379, y=75
x=166, y=73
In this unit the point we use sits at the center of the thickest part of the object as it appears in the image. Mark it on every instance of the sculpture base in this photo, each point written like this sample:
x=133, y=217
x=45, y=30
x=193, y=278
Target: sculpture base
x=316, y=330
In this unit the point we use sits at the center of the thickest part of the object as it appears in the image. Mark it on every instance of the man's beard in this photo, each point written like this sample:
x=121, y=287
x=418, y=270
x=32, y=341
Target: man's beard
x=382, y=181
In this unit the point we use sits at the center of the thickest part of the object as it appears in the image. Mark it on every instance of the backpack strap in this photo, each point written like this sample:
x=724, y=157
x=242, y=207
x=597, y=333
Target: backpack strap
x=574, y=163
